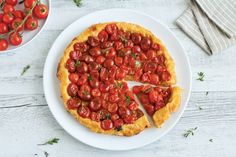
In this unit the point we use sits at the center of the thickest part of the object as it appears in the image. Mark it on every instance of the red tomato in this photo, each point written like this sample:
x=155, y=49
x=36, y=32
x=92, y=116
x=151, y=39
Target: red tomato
x=81, y=46
x=3, y=44
x=154, y=79
x=70, y=65
x=136, y=38
x=120, y=74
x=16, y=24
x=82, y=67
x=108, y=63
x=29, y=3
x=72, y=89
x=118, y=60
x=129, y=119
x=94, y=83
x=82, y=79
x=31, y=24
x=111, y=28
x=137, y=89
x=73, y=77
x=7, y=18
x=149, y=109
x=40, y=11
x=15, y=38
x=95, y=104
x=113, y=97
x=165, y=76
x=110, y=53
x=12, y=2
x=136, y=49
x=153, y=94
x=103, y=36
x=3, y=28
x=95, y=51
x=84, y=111
x=123, y=112
x=93, y=41
x=100, y=59
x=118, y=45
x=133, y=106
x=150, y=67
x=95, y=92
x=106, y=124
x=156, y=46
x=84, y=92
x=144, y=98
x=106, y=44
x=145, y=44
x=94, y=116
x=114, y=117
x=151, y=54
x=7, y=8
x=112, y=107
x=118, y=123
x=73, y=103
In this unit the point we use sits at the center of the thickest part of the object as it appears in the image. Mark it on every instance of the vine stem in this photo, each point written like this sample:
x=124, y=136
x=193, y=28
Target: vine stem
x=22, y=22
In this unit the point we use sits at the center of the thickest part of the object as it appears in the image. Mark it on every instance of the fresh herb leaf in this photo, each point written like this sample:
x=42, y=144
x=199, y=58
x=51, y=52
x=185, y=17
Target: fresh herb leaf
x=77, y=63
x=123, y=39
x=78, y=3
x=105, y=51
x=108, y=116
x=25, y=69
x=207, y=93
x=51, y=142
x=127, y=99
x=90, y=78
x=189, y=132
x=211, y=140
x=137, y=64
x=119, y=84
x=133, y=55
x=46, y=154
x=85, y=92
x=201, y=76
x=119, y=128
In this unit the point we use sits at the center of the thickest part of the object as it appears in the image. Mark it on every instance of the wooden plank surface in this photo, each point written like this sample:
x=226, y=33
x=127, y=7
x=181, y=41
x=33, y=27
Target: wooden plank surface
x=25, y=119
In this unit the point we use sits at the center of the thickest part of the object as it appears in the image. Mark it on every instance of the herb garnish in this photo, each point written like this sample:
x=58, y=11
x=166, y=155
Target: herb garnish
x=77, y=63
x=189, y=132
x=201, y=76
x=119, y=128
x=107, y=116
x=90, y=77
x=25, y=69
x=78, y=3
x=133, y=55
x=46, y=154
x=127, y=99
x=137, y=64
x=51, y=142
x=119, y=84
x=211, y=140
x=123, y=39
x=105, y=51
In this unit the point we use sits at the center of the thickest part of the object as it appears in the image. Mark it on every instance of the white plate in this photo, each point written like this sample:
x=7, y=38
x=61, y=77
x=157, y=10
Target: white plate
x=52, y=91
x=28, y=36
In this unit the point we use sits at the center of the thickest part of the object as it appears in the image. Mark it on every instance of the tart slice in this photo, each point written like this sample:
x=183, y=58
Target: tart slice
x=159, y=102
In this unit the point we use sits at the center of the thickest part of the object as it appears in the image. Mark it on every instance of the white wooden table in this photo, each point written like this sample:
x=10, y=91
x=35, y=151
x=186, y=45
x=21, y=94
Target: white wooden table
x=25, y=119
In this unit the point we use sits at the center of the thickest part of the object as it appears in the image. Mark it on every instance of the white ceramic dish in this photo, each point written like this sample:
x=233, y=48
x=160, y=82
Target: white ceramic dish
x=52, y=91
x=29, y=36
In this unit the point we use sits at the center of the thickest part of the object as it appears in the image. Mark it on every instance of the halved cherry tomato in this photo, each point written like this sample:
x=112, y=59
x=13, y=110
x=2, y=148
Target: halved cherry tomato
x=133, y=106
x=73, y=77
x=70, y=65
x=118, y=123
x=93, y=41
x=73, y=103
x=95, y=104
x=95, y=51
x=82, y=67
x=153, y=94
x=123, y=112
x=84, y=111
x=3, y=44
x=106, y=124
x=103, y=36
x=96, y=92
x=108, y=63
x=31, y=24
x=72, y=89
x=151, y=54
x=111, y=28
x=112, y=107
x=129, y=119
x=15, y=38
x=154, y=79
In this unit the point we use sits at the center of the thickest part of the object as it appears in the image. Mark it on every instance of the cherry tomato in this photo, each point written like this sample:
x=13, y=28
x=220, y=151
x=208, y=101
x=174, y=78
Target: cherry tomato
x=29, y=3
x=123, y=112
x=3, y=28
x=118, y=61
x=118, y=45
x=95, y=104
x=16, y=24
x=108, y=63
x=95, y=51
x=31, y=24
x=111, y=53
x=40, y=11
x=94, y=83
x=3, y=44
x=136, y=38
x=104, y=87
x=154, y=79
x=84, y=92
x=149, y=109
x=143, y=98
x=7, y=8
x=112, y=107
x=93, y=41
x=75, y=55
x=15, y=38
x=113, y=97
x=159, y=105
x=96, y=92
x=87, y=58
x=118, y=123
x=145, y=44
x=84, y=111
x=137, y=89
x=153, y=94
x=12, y=2
x=145, y=77
x=82, y=67
x=103, y=36
x=94, y=116
x=100, y=59
x=70, y=65
x=165, y=76
x=156, y=46
x=106, y=44
x=151, y=54
x=72, y=89
x=106, y=124
x=7, y=18
x=133, y=106
x=129, y=119
x=81, y=46
x=73, y=103
x=111, y=28
x=114, y=117
x=136, y=49
x=120, y=74
x=73, y=77
x=82, y=79
x=150, y=67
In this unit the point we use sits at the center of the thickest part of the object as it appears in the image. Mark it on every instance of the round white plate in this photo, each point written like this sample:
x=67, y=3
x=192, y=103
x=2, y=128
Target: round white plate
x=28, y=36
x=52, y=91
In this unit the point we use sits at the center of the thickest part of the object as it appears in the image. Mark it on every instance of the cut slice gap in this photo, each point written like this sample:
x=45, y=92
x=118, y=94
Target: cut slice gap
x=158, y=102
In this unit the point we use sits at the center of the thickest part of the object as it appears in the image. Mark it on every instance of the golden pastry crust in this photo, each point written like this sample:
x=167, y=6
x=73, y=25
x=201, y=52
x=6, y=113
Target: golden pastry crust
x=160, y=116
x=62, y=74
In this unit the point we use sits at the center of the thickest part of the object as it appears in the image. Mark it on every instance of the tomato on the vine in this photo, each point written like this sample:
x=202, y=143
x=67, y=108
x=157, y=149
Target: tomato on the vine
x=3, y=28
x=29, y=3
x=7, y=8
x=15, y=38
x=3, y=44
x=16, y=24
x=12, y=2
x=7, y=18
x=31, y=23
x=40, y=11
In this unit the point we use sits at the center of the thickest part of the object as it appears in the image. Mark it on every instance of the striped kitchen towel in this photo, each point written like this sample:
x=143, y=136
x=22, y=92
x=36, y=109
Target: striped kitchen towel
x=210, y=23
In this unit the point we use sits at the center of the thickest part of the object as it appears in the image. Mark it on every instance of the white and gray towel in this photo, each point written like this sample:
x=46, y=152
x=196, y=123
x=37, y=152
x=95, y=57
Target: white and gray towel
x=210, y=23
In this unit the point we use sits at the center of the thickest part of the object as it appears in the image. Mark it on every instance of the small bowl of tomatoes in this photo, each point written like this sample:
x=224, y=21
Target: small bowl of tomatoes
x=21, y=21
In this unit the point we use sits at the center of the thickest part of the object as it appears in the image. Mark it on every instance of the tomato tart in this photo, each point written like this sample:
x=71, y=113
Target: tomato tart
x=94, y=71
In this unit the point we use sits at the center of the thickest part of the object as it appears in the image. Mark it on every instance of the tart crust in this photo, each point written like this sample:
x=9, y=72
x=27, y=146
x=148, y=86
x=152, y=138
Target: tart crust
x=140, y=124
x=160, y=116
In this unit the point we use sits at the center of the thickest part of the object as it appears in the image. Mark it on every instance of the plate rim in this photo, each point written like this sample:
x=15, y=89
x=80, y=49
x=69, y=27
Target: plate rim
x=188, y=67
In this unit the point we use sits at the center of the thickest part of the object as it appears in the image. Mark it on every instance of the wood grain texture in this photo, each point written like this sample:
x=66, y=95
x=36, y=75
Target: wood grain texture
x=25, y=119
